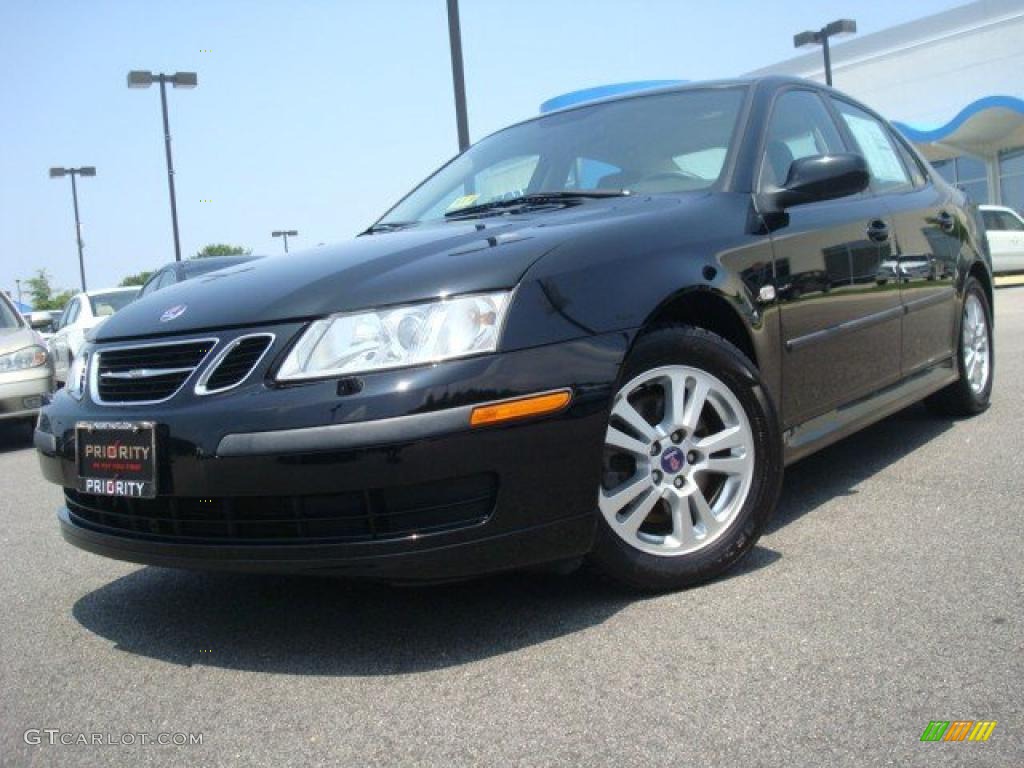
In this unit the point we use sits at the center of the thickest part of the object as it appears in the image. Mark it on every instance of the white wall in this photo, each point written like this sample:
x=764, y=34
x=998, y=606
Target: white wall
x=926, y=71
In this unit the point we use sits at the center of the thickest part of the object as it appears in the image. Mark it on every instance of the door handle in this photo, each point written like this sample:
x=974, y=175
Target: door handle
x=878, y=231
x=946, y=221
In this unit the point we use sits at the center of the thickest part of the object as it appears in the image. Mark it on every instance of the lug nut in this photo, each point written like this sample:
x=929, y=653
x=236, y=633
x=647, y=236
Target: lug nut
x=677, y=436
x=655, y=449
x=656, y=476
x=692, y=457
x=679, y=482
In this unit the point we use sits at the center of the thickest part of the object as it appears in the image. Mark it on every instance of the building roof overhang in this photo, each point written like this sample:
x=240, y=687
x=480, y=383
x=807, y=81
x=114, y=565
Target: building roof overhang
x=984, y=127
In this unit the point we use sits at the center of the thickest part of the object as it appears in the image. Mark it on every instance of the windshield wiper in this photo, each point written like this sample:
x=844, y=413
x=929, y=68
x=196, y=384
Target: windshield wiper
x=536, y=198
x=388, y=226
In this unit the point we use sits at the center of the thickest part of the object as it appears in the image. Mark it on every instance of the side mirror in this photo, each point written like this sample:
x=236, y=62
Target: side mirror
x=819, y=177
x=41, y=321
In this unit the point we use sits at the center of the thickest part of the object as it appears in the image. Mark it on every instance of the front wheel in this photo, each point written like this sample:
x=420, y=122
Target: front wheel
x=692, y=462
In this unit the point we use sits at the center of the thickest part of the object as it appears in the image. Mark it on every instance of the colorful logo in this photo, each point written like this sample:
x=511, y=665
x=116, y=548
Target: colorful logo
x=958, y=730
x=173, y=313
x=672, y=460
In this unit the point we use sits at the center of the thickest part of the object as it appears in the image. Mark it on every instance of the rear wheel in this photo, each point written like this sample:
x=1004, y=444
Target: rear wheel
x=692, y=462
x=972, y=393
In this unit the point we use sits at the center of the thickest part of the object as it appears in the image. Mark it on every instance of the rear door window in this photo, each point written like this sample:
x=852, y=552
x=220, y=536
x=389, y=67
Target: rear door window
x=878, y=148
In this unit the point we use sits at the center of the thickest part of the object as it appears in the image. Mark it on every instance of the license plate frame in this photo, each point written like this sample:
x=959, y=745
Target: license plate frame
x=121, y=460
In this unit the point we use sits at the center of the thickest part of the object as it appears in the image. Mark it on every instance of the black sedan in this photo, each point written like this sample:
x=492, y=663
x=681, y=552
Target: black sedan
x=579, y=338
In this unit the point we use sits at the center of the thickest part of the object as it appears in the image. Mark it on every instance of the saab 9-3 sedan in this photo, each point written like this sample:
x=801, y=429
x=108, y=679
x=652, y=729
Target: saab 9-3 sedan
x=600, y=333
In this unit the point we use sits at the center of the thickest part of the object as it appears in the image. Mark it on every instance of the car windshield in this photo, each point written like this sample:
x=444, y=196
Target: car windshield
x=104, y=304
x=666, y=143
x=8, y=316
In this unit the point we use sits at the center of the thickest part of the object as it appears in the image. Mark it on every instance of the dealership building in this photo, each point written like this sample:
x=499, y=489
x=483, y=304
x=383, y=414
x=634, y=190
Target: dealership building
x=952, y=83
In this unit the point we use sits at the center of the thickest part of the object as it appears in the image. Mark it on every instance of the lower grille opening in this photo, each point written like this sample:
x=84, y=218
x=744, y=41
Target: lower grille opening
x=377, y=514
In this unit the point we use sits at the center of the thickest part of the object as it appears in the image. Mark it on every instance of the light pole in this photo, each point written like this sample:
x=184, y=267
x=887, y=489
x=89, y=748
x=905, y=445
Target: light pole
x=88, y=170
x=836, y=28
x=285, y=234
x=140, y=79
x=18, y=283
x=458, y=77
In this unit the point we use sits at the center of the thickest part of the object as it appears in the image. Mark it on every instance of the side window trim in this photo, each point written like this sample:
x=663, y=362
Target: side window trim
x=908, y=152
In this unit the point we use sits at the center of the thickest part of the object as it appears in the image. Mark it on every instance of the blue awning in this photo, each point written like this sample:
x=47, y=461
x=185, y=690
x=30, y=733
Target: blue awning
x=983, y=127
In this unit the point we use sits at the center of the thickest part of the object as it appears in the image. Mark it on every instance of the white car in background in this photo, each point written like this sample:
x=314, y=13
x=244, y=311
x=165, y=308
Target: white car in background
x=1005, y=230
x=84, y=312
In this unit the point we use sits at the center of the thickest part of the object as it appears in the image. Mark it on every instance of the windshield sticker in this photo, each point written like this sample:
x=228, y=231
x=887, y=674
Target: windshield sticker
x=462, y=202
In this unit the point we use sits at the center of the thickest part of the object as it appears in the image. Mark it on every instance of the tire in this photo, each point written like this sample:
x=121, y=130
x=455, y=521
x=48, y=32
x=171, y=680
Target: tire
x=709, y=479
x=964, y=397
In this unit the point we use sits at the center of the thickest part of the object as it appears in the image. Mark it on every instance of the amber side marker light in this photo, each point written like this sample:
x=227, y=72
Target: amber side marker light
x=520, y=408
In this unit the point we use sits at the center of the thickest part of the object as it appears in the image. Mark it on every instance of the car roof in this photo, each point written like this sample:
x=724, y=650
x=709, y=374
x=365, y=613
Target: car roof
x=767, y=81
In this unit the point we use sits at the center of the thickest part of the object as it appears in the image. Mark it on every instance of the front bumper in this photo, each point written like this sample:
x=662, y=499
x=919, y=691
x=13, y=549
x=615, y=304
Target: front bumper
x=22, y=392
x=411, y=490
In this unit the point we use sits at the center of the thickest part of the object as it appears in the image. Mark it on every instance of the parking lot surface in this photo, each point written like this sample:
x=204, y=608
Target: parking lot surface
x=888, y=592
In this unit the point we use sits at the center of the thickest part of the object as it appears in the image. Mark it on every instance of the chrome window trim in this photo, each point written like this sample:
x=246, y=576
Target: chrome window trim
x=201, y=389
x=94, y=366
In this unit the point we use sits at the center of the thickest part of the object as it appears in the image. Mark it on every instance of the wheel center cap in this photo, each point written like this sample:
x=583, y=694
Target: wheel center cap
x=672, y=460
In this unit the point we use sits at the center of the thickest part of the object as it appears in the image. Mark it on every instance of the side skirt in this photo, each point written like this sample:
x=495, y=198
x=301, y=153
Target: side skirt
x=822, y=431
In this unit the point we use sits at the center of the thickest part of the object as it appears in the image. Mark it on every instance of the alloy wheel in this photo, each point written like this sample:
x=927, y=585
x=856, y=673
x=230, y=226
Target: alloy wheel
x=977, y=359
x=678, y=461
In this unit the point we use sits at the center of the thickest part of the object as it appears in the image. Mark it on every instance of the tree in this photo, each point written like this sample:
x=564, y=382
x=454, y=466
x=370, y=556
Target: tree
x=137, y=279
x=44, y=295
x=222, y=249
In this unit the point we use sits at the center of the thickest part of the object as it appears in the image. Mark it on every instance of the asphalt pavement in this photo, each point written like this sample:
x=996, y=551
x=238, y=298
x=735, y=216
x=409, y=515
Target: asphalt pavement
x=887, y=593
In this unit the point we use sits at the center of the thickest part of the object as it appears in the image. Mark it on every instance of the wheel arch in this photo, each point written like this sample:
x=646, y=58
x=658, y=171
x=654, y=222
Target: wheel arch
x=980, y=272
x=708, y=309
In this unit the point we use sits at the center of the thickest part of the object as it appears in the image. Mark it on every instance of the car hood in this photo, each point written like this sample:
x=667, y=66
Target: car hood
x=423, y=262
x=13, y=339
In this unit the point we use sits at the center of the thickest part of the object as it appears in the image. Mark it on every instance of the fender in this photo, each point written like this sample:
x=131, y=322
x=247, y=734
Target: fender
x=626, y=277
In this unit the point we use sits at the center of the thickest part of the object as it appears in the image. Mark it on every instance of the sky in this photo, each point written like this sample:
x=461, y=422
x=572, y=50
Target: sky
x=315, y=116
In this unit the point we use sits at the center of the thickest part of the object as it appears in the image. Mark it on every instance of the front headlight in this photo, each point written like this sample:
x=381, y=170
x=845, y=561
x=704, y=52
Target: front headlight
x=78, y=375
x=29, y=357
x=397, y=337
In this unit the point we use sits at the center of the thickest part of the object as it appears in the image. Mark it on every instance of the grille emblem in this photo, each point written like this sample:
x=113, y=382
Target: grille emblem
x=173, y=313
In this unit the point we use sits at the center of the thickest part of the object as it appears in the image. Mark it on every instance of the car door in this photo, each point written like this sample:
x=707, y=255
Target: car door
x=840, y=327
x=1005, y=232
x=925, y=246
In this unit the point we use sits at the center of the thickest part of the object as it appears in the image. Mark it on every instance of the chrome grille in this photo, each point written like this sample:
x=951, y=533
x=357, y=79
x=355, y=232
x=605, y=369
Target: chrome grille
x=234, y=363
x=148, y=373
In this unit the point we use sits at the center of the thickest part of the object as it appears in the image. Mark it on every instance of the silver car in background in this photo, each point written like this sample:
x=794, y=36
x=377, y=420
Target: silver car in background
x=26, y=372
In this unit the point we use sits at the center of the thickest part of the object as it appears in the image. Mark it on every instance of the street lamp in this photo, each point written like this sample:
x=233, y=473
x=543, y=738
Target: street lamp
x=139, y=79
x=18, y=283
x=458, y=77
x=836, y=28
x=285, y=234
x=88, y=170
